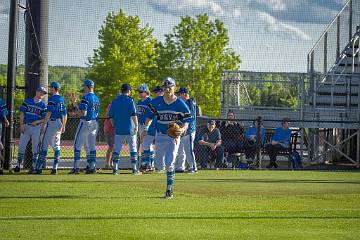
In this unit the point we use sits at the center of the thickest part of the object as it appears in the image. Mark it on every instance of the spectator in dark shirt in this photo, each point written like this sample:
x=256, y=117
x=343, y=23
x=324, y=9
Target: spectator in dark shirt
x=232, y=134
x=279, y=142
x=251, y=138
x=211, y=143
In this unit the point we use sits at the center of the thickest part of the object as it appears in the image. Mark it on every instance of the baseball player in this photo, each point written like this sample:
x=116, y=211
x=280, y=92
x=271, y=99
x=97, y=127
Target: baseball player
x=186, y=148
x=149, y=137
x=32, y=114
x=4, y=120
x=87, y=128
x=123, y=117
x=142, y=107
x=170, y=111
x=53, y=125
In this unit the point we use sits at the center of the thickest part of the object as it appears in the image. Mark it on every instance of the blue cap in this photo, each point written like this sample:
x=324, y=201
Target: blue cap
x=88, y=83
x=55, y=85
x=183, y=90
x=42, y=89
x=143, y=88
x=126, y=87
x=157, y=89
x=169, y=82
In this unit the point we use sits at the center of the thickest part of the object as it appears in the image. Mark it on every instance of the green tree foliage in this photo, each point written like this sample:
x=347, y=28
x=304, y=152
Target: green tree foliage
x=195, y=54
x=126, y=55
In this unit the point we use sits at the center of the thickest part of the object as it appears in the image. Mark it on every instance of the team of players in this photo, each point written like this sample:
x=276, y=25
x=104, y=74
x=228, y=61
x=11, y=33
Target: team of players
x=148, y=119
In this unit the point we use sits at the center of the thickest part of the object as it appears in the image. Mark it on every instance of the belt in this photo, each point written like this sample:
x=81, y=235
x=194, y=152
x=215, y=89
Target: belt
x=29, y=124
x=54, y=119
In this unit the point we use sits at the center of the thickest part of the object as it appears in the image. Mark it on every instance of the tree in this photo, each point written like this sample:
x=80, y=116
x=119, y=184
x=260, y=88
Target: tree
x=126, y=55
x=195, y=54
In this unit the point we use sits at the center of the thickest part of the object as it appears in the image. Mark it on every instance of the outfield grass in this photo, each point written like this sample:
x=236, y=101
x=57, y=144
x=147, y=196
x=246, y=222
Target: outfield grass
x=208, y=205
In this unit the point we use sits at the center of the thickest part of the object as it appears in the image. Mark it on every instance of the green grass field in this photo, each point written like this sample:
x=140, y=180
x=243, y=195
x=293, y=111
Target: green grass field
x=208, y=205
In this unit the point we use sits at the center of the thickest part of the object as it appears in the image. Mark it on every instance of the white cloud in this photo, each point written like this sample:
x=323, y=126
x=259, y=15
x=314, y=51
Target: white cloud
x=277, y=5
x=189, y=7
x=275, y=25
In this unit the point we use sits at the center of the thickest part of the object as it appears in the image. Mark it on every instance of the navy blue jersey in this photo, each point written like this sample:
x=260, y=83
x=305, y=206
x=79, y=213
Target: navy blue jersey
x=32, y=110
x=56, y=105
x=192, y=121
x=91, y=104
x=121, y=111
x=3, y=109
x=142, y=107
x=165, y=113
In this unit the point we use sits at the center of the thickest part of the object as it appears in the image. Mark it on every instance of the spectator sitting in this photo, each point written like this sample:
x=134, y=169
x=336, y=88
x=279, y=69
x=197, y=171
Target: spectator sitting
x=279, y=142
x=232, y=134
x=210, y=141
x=250, y=138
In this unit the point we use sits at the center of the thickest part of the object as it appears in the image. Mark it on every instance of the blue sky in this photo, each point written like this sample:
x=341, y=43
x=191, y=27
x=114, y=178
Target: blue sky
x=269, y=35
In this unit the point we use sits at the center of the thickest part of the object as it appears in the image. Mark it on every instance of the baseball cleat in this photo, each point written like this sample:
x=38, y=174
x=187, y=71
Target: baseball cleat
x=53, y=172
x=75, y=171
x=115, y=172
x=31, y=171
x=16, y=169
x=90, y=171
x=179, y=171
x=169, y=194
x=192, y=171
x=37, y=172
x=136, y=172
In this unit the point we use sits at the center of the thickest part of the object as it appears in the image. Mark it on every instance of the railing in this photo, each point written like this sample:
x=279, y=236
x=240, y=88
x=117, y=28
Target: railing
x=329, y=51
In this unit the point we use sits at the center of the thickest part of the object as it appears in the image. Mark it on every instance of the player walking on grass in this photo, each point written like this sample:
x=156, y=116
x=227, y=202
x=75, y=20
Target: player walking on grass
x=124, y=119
x=87, y=128
x=53, y=126
x=170, y=112
x=142, y=107
x=32, y=114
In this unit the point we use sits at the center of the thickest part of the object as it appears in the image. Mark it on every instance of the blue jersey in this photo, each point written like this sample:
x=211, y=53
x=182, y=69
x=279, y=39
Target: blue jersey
x=142, y=107
x=152, y=128
x=165, y=113
x=33, y=111
x=3, y=109
x=91, y=104
x=283, y=136
x=121, y=111
x=56, y=105
x=192, y=121
x=253, y=131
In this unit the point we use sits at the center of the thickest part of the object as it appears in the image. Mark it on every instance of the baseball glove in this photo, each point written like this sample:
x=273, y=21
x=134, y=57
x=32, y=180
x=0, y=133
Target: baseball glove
x=174, y=130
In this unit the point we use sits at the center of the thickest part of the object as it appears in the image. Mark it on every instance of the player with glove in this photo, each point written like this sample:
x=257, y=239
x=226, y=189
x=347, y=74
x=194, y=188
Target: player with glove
x=172, y=116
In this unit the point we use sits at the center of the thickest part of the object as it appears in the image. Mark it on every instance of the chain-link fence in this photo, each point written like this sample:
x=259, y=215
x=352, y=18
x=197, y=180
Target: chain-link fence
x=235, y=151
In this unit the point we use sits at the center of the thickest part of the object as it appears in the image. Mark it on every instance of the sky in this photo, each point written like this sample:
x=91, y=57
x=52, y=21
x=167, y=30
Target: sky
x=269, y=35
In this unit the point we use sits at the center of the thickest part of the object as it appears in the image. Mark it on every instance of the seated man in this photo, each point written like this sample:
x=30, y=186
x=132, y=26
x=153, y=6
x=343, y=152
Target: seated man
x=251, y=139
x=232, y=134
x=279, y=142
x=210, y=141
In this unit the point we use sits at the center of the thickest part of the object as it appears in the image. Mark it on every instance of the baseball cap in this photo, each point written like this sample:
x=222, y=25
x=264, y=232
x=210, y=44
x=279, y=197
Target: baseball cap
x=41, y=89
x=55, y=85
x=285, y=120
x=143, y=88
x=157, y=89
x=126, y=87
x=88, y=83
x=168, y=82
x=183, y=90
x=211, y=122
